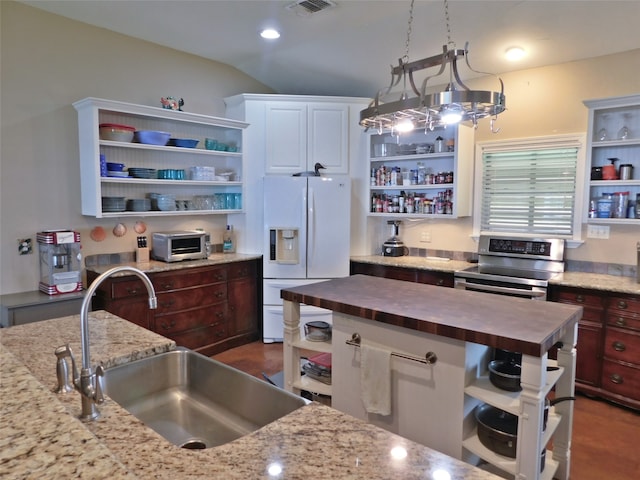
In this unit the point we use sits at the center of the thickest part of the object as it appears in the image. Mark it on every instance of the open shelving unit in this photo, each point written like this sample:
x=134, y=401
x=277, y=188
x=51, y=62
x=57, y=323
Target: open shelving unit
x=93, y=111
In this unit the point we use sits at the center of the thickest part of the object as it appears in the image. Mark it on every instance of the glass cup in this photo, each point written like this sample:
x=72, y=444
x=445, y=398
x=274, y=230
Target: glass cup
x=210, y=143
x=237, y=201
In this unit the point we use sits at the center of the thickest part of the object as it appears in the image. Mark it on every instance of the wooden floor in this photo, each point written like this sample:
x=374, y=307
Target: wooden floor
x=606, y=437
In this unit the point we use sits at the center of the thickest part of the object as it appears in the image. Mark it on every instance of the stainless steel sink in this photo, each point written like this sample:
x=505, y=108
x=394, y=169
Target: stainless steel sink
x=194, y=401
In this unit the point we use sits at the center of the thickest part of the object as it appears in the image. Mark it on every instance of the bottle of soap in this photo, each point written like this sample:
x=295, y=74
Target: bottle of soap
x=228, y=240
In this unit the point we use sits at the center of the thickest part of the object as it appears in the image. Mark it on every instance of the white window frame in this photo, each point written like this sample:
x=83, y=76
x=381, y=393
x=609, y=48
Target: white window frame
x=552, y=141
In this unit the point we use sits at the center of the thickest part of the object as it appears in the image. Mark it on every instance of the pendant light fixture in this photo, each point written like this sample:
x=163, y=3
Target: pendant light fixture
x=416, y=108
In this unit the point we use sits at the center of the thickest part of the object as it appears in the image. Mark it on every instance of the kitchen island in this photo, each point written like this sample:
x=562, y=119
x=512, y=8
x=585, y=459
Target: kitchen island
x=434, y=403
x=41, y=437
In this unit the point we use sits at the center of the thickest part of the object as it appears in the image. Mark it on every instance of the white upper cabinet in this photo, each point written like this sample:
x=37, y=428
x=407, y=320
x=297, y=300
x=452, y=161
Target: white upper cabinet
x=301, y=134
x=613, y=136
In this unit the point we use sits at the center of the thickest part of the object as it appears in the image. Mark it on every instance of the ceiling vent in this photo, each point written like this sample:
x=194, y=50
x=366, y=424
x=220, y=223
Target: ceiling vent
x=307, y=7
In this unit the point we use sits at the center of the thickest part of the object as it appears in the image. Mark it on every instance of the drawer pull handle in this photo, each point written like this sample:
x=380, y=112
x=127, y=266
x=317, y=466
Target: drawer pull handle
x=132, y=291
x=622, y=304
x=167, y=286
x=580, y=298
x=619, y=346
x=167, y=304
x=617, y=379
x=219, y=315
x=621, y=322
x=440, y=283
x=171, y=324
x=219, y=294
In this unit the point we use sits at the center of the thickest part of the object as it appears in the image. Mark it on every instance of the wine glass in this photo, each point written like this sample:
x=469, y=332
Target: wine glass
x=602, y=134
x=623, y=133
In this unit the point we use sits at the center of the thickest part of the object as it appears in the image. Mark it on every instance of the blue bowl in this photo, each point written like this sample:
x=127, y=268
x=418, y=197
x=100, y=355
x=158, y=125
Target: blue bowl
x=184, y=142
x=151, y=137
x=115, y=167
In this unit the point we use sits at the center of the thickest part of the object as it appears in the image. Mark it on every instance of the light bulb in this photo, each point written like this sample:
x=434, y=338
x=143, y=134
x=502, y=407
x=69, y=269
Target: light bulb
x=270, y=33
x=404, y=126
x=449, y=117
x=514, y=54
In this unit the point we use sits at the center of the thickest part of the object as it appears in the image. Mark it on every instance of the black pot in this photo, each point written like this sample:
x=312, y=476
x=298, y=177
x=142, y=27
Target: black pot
x=505, y=375
x=497, y=429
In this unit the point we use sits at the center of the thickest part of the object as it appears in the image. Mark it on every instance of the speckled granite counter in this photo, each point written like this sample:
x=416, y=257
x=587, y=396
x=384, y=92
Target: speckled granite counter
x=598, y=281
x=154, y=266
x=41, y=438
x=423, y=263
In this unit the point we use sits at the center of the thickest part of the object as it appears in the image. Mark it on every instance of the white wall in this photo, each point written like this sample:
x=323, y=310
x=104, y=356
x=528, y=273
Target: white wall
x=48, y=62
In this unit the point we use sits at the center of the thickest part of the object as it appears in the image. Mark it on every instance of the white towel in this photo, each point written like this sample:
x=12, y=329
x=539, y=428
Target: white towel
x=375, y=379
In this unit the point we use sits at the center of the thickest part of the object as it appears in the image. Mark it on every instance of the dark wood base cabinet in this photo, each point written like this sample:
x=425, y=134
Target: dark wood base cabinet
x=207, y=309
x=430, y=277
x=608, y=358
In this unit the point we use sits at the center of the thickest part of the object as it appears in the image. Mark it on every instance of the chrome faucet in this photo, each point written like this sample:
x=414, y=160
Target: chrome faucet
x=88, y=383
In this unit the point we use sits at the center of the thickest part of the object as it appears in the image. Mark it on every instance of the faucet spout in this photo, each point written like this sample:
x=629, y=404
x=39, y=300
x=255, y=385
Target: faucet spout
x=89, y=383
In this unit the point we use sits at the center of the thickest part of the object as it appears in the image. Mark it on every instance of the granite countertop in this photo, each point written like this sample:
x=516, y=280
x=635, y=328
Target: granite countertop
x=41, y=437
x=514, y=324
x=155, y=266
x=595, y=281
x=423, y=263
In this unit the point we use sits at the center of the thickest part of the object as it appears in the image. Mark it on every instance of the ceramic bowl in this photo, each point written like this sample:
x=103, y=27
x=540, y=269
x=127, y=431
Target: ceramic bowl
x=116, y=133
x=151, y=137
x=184, y=142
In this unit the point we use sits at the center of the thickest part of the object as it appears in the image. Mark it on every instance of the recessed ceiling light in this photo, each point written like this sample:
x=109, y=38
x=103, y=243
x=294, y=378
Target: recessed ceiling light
x=514, y=53
x=270, y=33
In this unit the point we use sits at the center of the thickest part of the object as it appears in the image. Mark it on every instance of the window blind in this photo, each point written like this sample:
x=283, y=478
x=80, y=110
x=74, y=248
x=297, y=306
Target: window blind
x=529, y=191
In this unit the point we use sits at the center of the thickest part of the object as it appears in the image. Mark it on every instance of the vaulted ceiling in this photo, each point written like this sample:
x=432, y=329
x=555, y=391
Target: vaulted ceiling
x=347, y=49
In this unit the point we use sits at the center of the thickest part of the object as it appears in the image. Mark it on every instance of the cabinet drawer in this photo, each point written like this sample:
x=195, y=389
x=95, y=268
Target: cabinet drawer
x=441, y=279
x=241, y=269
x=580, y=298
x=621, y=379
x=623, y=321
x=128, y=288
x=201, y=337
x=168, y=281
x=191, y=298
x=622, y=345
x=191, y=319
x=628, y=305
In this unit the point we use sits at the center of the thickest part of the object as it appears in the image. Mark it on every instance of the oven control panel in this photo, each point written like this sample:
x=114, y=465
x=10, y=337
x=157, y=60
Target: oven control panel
x=534, y=248
x=526, y=247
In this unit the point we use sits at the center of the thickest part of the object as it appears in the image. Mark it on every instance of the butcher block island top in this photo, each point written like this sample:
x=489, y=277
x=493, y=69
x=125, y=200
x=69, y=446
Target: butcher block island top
x=41, y=437
x=508, y=323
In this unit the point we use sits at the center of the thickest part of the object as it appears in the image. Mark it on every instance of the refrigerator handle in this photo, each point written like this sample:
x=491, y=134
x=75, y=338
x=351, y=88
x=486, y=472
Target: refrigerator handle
x=311, y=224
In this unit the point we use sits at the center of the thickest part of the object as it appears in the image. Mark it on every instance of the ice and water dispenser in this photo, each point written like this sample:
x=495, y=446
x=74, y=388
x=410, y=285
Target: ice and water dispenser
x=284, y=245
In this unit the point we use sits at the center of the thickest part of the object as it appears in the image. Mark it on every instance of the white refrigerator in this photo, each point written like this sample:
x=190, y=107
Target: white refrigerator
x=306, y=240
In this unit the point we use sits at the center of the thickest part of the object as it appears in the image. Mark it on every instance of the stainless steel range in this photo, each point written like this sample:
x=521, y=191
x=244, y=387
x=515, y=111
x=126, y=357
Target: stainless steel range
x=520, y=267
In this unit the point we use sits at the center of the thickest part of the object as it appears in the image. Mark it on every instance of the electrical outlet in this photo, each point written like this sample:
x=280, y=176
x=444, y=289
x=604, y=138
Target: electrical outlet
x=598, y=231
x=425, y=236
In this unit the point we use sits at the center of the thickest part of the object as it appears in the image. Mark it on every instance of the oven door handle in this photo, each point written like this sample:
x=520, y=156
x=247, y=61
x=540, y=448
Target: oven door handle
x=534, y=293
